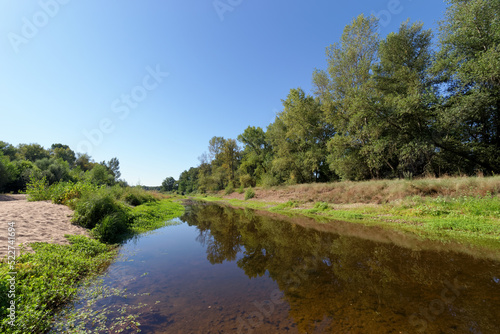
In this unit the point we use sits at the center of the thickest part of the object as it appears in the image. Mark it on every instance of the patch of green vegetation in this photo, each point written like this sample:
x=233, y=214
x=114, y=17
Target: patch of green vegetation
x=229, y=189
x=151, y=216
x=466, y=219
x=284, y=206
x=249, y=193
x=47, y=279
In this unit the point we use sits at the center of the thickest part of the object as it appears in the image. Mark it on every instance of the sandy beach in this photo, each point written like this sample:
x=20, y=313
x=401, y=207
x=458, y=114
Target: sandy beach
x=34, y=222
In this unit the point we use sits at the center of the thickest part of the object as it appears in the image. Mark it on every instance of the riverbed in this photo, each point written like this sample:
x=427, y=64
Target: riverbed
x=225, y=270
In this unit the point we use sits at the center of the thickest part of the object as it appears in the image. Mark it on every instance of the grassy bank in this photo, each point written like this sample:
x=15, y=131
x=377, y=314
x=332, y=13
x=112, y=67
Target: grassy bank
x=49, y=277
x=466, y=209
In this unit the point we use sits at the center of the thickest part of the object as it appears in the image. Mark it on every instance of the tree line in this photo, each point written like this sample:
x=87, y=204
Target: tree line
x=24, y=163
x=396, y=107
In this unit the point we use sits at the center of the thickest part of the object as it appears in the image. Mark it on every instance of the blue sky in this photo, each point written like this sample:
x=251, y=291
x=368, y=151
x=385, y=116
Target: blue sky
x=150, y=82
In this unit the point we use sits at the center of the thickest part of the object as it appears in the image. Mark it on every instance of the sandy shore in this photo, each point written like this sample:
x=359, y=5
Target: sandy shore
x=34, y=222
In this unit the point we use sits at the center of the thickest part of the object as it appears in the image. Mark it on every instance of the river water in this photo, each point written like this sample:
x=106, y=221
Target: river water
x=223, y=270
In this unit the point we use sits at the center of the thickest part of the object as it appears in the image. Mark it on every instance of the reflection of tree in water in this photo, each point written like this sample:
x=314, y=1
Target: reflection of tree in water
x=355, y=284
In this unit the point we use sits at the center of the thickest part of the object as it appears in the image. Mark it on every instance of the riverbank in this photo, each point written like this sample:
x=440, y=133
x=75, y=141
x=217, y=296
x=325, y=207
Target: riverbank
x=464, y=210
x=35, y=284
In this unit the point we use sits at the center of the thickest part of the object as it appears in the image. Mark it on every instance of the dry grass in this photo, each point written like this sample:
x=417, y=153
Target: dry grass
x=379, y=191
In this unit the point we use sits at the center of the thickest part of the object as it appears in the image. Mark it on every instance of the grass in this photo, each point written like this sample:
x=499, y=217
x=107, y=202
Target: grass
x=50, y=277
x=466, y=210
x=47, y=279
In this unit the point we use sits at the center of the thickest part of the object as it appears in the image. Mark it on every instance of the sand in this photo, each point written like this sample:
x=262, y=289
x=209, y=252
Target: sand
x=34, y=222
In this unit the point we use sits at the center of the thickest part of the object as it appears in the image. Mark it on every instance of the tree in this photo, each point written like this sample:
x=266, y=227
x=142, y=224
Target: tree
x=346, y=94
x=256, y=156
x=32, y=152
x=168, y=184
x=298, y=138
x=8, y=150
x=5, y=172
x=188, y=181
x=113, y=166
x=63, y=152
x=405, y=98
x=468, y=68
x=230, y=157
x=99, y=175
x=54, y=170
x=84, y=161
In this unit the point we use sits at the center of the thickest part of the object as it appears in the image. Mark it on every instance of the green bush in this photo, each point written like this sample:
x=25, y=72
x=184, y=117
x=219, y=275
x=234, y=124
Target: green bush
x=93, y=208
x=36, y=189
x=229, y=189
x=250, y=193
x=321, y=206
x=111, y=228
x=133, y=196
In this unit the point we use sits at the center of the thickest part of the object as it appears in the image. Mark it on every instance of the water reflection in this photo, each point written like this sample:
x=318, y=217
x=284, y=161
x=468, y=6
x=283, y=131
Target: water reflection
x=334, y=283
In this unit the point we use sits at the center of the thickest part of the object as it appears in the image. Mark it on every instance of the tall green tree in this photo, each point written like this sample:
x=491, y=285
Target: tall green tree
x=405, y=96
x=230, y=159
x=32, y=152
x=168, y=184
x=468, y=67
x=256, y=156
x=8, y=150
x=298, y=138
x=63, y=152
x=188, y=181
x=346, y=93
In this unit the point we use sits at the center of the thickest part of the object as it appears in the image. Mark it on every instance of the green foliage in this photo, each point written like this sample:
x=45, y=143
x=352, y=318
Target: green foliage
x=48, y=278
x=60, y=151
x=32, y=152
x=135, y=196
x=37, y=189
x=92, y=208
x=5, y=172
x=467, y=65
x=249, y=193
x=112, y=228
x=229, y=189
x=298, y=137
x=100, y=175
x=321, y=206
x=168, y=184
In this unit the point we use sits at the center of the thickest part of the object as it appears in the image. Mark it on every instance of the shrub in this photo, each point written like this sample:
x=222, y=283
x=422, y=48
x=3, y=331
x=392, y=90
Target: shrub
x=133, y=196
x=111, y=228
x=250, y=193
x=36, y=189
x=91, y=209
x=229, y=189
x=241, y=190
x=321, y=206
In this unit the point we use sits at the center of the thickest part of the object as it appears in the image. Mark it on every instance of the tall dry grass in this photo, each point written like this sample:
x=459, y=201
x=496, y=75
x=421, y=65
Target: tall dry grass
x=382, y=191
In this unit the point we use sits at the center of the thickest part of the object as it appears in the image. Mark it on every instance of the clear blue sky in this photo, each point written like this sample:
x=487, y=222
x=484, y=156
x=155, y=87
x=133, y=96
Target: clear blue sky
x=74, y=67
